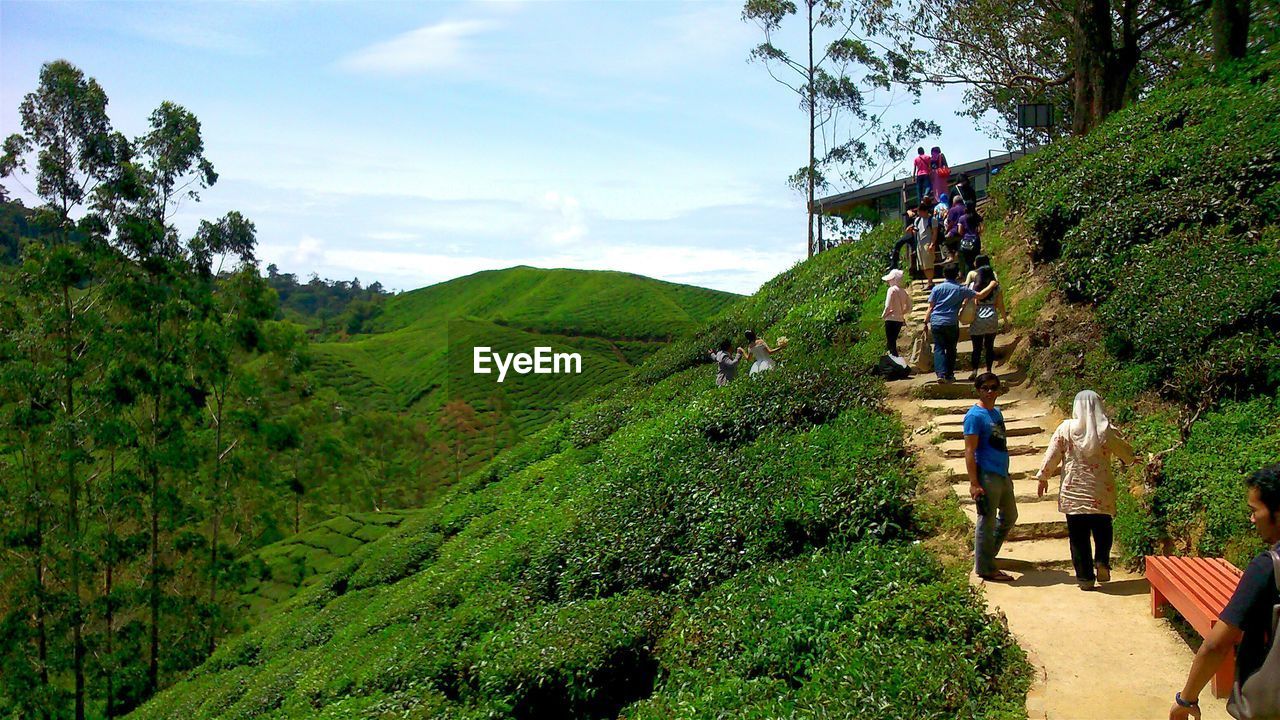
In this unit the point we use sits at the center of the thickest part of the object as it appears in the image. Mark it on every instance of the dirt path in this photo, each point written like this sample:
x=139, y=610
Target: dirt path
x=1097, y=654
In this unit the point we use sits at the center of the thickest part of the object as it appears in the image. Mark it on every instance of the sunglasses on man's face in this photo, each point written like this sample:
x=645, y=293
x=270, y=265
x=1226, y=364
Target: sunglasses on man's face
x=990, y=388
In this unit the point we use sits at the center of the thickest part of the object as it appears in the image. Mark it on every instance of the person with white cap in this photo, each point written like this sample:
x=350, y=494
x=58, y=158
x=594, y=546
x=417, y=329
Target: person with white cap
x=1083, y=447
x=897, y=306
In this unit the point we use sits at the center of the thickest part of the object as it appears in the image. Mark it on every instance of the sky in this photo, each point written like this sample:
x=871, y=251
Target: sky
x=414, y=142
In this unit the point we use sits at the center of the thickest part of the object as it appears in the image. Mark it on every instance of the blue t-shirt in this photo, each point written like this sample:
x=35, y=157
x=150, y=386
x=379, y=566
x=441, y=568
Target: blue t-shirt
x=947, y=299
x=993, y=446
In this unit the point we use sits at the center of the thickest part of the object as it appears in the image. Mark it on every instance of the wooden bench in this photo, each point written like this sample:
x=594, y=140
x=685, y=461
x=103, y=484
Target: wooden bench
x=1199, y=589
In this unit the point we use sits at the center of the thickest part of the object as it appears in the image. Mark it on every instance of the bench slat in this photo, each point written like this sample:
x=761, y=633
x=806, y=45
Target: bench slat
x=1214, y=579
x=1189, y=585
x=1164, y=579
x=1226, y=579
x=1201, y=582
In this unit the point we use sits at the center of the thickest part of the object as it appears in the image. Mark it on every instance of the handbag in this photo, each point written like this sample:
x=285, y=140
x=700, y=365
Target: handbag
x=1258, y=698
x=969, y=311
x=920, y=356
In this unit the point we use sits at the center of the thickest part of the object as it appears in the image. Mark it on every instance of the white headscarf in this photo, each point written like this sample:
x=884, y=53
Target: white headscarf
x=1089, y=422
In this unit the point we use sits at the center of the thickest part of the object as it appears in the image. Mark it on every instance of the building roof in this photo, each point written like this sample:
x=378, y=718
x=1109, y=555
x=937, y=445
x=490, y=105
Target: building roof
x=862, y=196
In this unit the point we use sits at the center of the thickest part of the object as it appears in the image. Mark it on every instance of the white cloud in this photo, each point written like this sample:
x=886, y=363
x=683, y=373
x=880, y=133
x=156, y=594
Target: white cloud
x=568, y=225
x=309, y=252
x=428, y=49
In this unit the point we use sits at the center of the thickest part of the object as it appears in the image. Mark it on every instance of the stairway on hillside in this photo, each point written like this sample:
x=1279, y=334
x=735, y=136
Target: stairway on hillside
x=1097, y=654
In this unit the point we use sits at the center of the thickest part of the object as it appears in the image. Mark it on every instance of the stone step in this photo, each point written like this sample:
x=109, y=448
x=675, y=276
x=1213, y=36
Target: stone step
x=961, y=405
x=954, y=430
x=1023, y=489
x=1036, y=520
x=1024, y=555
x=962, y=387
x=1020, y=467
x=1011, y=416
x=1029, y=445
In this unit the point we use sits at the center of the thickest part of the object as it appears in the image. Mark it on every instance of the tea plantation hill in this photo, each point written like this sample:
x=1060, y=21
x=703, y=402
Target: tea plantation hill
x=613, y=319
x=669, y=549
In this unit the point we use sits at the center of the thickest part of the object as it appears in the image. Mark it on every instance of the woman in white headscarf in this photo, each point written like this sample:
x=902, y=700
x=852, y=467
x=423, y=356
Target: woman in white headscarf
x=1083, y=447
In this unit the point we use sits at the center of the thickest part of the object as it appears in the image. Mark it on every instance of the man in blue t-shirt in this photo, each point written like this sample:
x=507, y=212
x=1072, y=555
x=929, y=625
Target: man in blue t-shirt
x=943, y=320
x=1247, y=619
x=986, y=457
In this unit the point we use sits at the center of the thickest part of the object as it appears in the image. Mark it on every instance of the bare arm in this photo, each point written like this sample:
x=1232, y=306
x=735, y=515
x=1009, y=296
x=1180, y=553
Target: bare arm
x=1222, y=638
x=928, y=313
x=985, y=292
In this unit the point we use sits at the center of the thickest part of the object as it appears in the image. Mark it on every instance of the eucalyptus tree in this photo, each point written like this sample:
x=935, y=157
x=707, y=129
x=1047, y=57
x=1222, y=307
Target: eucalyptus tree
x=223, y=340
x=65, y=125
x=847, y=77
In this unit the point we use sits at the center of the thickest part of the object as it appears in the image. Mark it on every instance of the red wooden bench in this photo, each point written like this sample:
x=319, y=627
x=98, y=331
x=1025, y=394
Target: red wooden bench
x=1199, y=588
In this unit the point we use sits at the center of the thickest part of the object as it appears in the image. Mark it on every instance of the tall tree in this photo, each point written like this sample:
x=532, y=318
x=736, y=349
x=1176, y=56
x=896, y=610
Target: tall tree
x=223, y=339
x=845, y=78
x=64, y=121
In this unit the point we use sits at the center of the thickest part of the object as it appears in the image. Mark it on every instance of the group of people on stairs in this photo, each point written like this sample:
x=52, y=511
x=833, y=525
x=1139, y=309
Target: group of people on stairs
x=978, y=302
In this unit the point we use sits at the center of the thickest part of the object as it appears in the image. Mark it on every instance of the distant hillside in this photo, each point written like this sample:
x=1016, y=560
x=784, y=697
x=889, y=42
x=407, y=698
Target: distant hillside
x=566, y=302
x=612, y=320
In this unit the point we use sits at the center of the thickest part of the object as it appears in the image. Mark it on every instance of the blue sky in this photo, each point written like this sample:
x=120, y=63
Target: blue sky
x=414, y=142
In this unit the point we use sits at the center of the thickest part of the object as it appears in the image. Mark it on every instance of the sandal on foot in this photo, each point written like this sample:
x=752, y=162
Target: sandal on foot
x=999, y=576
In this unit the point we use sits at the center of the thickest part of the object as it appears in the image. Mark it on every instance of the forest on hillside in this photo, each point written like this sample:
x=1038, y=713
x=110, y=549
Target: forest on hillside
x=159, y=418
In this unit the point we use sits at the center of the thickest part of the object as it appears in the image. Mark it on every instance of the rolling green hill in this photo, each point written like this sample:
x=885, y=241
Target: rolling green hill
x=671, y=550
x=612, y=320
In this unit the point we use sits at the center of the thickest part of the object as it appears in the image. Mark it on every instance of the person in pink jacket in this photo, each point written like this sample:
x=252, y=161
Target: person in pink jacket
x=897, y=306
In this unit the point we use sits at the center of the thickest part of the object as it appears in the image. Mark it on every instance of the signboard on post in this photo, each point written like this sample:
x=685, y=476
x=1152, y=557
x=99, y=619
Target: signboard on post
x=1035, y=115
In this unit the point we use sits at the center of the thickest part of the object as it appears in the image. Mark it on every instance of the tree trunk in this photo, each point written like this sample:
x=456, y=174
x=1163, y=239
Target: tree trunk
x=213, y=533
x=153, y=666
x=73, y=502
x=1230, y=29
x=813, y=126
x=42, y=637
x=109, y=665
x=1102, y=71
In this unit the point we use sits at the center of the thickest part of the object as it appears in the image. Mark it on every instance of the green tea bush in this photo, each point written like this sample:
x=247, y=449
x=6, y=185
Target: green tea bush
x=581, y=659
x=1165, y=216
x=1203, y=496
x=878, y=631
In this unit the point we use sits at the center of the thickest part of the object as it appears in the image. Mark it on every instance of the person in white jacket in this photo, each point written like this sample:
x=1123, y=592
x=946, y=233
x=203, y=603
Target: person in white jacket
x=1083, y=447
x=897, y=306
